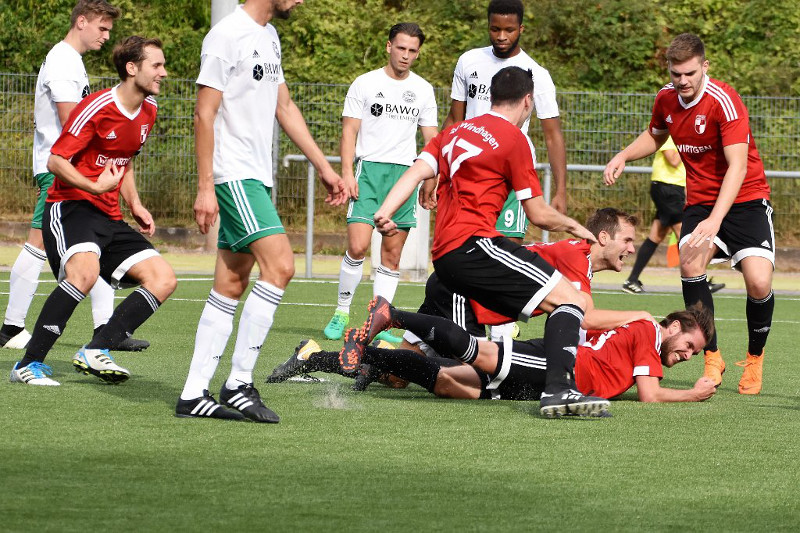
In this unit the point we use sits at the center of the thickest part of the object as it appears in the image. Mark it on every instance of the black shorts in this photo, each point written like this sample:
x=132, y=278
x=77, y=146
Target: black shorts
x=670, y=201
x=499, y=274
x=520, y=372
x=746, y=231
x=71, y=227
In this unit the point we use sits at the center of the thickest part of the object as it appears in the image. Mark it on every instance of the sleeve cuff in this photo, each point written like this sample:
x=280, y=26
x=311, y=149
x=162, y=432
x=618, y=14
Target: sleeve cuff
x=524, y=194
x=430, y=160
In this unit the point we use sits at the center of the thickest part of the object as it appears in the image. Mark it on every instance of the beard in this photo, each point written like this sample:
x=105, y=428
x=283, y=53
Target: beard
x=282, y=14
x=508, y=53
x=667, y=346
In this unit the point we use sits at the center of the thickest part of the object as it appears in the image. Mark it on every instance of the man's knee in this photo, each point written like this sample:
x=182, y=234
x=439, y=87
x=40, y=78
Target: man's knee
x=82, y=271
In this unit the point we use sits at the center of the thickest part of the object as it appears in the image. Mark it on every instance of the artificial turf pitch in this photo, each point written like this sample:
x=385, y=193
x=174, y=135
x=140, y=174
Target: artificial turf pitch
x=88, y=456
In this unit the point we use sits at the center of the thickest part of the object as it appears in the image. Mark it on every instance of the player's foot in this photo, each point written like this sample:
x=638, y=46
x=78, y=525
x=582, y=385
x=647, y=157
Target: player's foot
x=296, y=363
x=33, y=374
x=632, y=287
x=14, y=337
x=379, y=319
x=751, y=377
x=714, y=287
x=715, y=367
x=572, y=403
x=388, y=337
x=366, y=375
x=127, y=345
x=99, y=363
x=205, y=407
x=353, y=350
x=335, y=327
x=247, y=401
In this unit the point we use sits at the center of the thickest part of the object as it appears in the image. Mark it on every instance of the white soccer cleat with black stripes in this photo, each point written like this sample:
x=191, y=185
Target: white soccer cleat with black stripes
x=247, y=401
x=572, y=403
x=34, y=374
x=205, y=407
x=99, y=363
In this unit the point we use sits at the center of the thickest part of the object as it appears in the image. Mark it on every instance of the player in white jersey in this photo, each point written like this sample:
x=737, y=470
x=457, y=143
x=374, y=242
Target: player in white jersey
x=241, y=91
x=382, y=112
x=61, y=84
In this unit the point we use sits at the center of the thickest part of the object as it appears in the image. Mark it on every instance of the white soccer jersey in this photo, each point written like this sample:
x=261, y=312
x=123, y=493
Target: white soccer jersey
x=473, y=77
x=62, y=78
x=242, y=59
x=390, y=111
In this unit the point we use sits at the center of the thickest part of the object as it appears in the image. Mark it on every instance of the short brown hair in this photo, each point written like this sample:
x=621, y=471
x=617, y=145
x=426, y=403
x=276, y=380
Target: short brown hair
x=695, y=316
x=92, y=9
x=131, y=50
x=684, y=47
x=608, y=219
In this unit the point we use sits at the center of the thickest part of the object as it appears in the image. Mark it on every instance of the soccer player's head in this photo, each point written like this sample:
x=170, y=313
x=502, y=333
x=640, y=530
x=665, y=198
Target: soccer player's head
x=505, y=26
x=93, y=20
x=140, y=61
x=405, y=40
x=614, y=231
x=687, y=63
x=687, y=332
x=282, y=8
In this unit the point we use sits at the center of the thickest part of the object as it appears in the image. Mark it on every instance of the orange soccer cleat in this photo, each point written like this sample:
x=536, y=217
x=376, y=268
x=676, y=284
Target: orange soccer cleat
x=715, y=367
x=751, y=377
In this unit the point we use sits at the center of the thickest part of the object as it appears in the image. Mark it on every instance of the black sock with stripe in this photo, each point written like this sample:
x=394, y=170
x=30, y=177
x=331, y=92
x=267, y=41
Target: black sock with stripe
x=759, y=322
x=405, y=364
x=696, y=290
x=441, y=334
x=129, y=315
x=52, y=321
x=561, y=335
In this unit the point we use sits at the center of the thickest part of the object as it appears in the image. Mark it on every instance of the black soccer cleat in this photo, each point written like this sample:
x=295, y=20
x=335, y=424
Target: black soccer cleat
x=378, y=320
x=247, y=401
x=366, y=375
x=572, y=403
x=205, y=407
x=352, y=352
x=714, y=287
x=296, y=364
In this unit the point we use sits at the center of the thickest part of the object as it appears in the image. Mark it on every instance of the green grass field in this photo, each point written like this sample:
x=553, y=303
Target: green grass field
x=87, y=456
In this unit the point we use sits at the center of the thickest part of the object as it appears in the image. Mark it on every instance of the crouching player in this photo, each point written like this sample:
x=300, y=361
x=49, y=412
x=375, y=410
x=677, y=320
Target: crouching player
x=84, y=234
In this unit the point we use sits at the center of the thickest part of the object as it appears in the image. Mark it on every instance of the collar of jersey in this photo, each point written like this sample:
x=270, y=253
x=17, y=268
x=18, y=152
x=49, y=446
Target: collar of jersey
x=697, y=98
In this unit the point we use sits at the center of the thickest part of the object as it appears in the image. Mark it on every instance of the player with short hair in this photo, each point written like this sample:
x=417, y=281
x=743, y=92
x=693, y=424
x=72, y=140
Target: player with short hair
x=470, y=98
x=83, y=230
x=241, y=91
x=607, y=365
x=62, y=82
x=382, y=112
x=478, y=162
x=728, y=215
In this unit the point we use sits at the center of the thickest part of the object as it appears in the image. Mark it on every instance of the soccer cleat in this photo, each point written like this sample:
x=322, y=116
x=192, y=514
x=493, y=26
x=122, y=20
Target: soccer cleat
x=205, y=407
x=715, y=367
x=17, y=341
x=296, y=363
x=714, y=287
x=633, y=287
x=34, y=374
x=751, y=377
x=353, y=350
x=388, y=338
x=247, y=401
x=572, y=403
x=335, y=327
x=366, y=375
x=99, y=363
x=378, y=320
x=128, y=344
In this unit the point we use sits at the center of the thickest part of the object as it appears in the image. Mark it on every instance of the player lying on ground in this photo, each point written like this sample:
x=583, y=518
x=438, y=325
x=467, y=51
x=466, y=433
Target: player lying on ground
x=607, y=365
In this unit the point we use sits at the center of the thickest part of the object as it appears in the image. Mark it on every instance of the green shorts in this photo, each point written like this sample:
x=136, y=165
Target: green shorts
x=246, y=214
x=512, y=221
x=375, y=180
x=44, y=181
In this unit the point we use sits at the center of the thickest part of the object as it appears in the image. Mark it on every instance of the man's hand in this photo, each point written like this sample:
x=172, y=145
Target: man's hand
x=385, y=226
x=704, y=389
x=704, y=233
x=145, y=220
x=614, y=169
x=206, y=209
x=427, y=194
x=109, y=178
x=335, y=185
x=559, y=202
x=350, y=185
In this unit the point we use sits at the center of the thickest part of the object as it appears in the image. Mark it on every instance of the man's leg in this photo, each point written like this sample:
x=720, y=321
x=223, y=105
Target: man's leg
x=24, y=281
x=757, y=272
x=645, y=253
x=387, y=275
x=350, y=274
x=102, y=297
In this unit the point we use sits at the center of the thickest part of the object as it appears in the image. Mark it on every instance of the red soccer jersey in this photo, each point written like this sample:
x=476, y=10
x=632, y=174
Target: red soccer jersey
x=99, y=130
x=571, y=257
x=701, y=129
x=609, y=361
x=479, y=161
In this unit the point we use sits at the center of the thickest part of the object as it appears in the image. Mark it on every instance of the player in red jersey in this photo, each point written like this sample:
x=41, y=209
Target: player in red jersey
x=479, y=161
x=609, y=364
x=728, y=214
x=84, y=234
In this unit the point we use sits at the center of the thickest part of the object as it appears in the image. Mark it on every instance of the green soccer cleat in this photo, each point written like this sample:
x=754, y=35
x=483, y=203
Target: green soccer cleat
x=335, y=328
x=386, y=336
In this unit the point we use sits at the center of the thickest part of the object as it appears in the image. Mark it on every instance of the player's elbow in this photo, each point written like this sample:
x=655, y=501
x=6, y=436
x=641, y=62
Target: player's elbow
x=649, y=396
